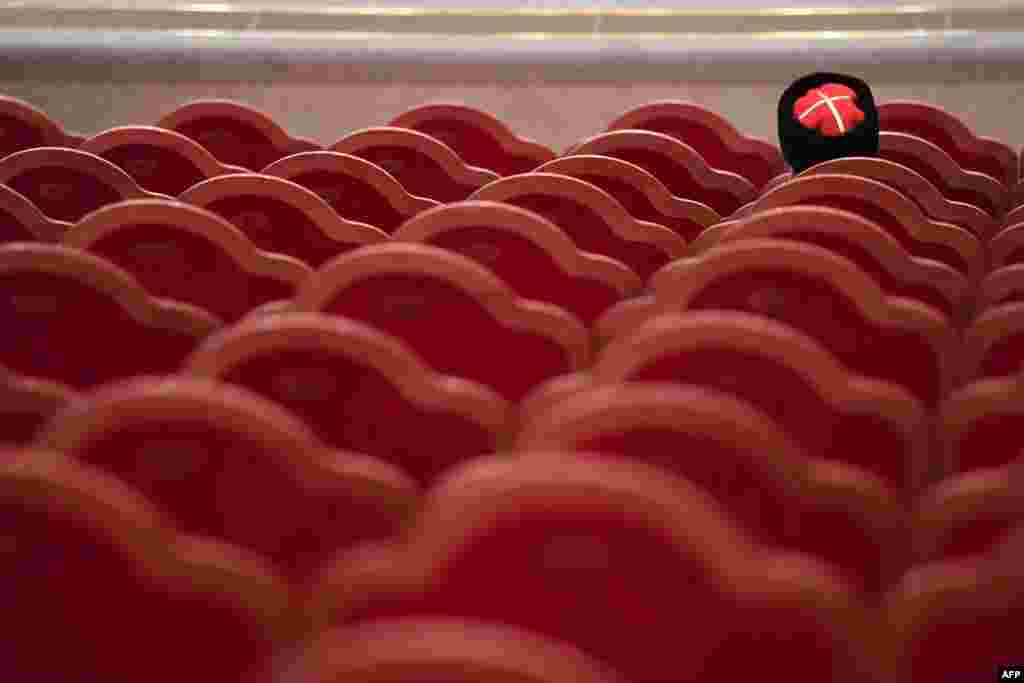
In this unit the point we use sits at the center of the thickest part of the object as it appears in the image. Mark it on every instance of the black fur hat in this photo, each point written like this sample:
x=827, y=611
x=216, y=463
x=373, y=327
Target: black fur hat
x=841, y=126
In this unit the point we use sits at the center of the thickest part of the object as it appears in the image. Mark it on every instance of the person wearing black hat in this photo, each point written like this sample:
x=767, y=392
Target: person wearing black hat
x=827, y=116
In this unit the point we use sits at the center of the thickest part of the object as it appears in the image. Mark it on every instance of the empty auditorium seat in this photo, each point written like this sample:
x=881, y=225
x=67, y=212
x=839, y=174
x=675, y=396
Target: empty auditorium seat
x=958, y=621
x=282, y=217
x=714, y=138
x=479, y=138
x=75, y=318
x=683, y=170
x=415, y=650
x=23, y=126
x=99, y=586
x=643, y=195
x=159, y=160
x=181, y=252
x=224, y=463
x=831, y=413
x=235, y=133
x=423, y=165
x=890, y=210
x=967, y=515
x=980, y=425
x=22, y=221
x=1002, y=286
x=875, y=251
x=943, y=172
x=358, y=389
x=915, y=187
x=636, y=569
x=27, y=403
x=738, y=454
x=1007, y=246
x=452, y=312
x=528, y=252
x=67, y=184
x=941, y=128
x=356, y=189
x=993, y=344
x=817, y=292
x=594, y=220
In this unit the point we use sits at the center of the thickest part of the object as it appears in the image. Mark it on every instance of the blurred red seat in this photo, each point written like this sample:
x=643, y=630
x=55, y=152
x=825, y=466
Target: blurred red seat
x=235, y=133
x=358, y=389
x=785, y=496
x=92, y=569
x=356, y=189
x=643, y=195
x=22, y=221
x=915, y=187
x=27, y=403
x=425, y=166
x=225, y=463
x=967, y=515
x=1007, y=246
x=479, y=138
x=67, y=184
x=872, y=249
x=993, y=344
x=528, y=252
x=591, y=217
x=75, y=318
x=23, y=126
x=179, y=251
x=890, y=210
x=817, y=292
x=159, y=160
x=1002, y=286
x=832, y=413
x=417, y=650
x=714, y=138
x=981, y=426
x=680, y=167
x=943, y=172
x=632, y=566
x=282, y=217
x=941, y=128
x=452, y=312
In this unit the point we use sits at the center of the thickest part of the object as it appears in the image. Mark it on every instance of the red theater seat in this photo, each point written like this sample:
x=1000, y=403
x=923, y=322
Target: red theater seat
x=1002, y=286
x=479, y=138
x=831, y=413
x=225, y=463
x=235, y=133
x=68, y=184
x=943, y=172
x=594, y=220
x=75, y=318
x=993, y=345
x=683, y=170
x=643, y=195
x=817, y=292
x=452, y=312
x=179, y=251
x=425, y=166
x=890, y=210
x=872, y=249
x=27, y=403
x=355, y=188
x=23, y=126
x=915, y=187
x=943, y=129
x=99, y=586
x=714, y=138
x=635, y=568
x=528, y=252
x=282, y=217
x=22, y=221
x=981, y=426
x=358, y=389
x=1007, y=246
x=159, y=160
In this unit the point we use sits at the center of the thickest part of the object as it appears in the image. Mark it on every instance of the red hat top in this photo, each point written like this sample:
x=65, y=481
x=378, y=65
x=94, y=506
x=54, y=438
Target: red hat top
x=830, y=109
